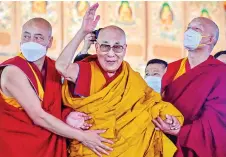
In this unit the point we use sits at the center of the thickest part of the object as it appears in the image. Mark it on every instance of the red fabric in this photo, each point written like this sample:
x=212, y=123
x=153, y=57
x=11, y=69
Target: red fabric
x=41, y=74
x=23, y=65
x=200, y=96
x=83, y=82
x=170, y=73
x=19, y=137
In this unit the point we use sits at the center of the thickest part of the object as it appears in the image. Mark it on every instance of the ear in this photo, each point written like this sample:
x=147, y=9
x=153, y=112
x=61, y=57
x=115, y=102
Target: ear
x=96, y=46
x=50, y=42
x=210, y=40
x=165, y=70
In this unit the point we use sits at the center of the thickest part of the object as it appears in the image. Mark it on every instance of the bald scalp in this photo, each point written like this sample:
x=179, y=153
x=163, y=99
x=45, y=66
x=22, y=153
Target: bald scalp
x=115, y=29
x=39, y=22
x=210, y=27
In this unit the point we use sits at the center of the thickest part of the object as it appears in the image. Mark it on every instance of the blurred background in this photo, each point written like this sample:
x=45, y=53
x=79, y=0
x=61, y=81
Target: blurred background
x=153, y=29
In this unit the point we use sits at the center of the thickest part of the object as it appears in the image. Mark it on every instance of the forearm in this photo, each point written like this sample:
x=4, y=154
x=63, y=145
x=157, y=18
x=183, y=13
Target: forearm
x=65, y=58
x=83, y=51
x=57, y=126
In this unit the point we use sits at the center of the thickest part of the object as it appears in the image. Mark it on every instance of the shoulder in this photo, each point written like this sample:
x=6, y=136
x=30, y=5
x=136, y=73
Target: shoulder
x=175, y=64
x=12, y=74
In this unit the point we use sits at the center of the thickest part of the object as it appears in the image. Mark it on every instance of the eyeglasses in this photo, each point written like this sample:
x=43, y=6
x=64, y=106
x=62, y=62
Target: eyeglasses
x=107, y=48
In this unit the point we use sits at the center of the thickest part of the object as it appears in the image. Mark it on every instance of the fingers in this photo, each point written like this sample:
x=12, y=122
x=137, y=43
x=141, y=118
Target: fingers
x=96, y=20
x=93, y=9
x=99, y=154
x=85, y=116
x=176, y=124
x=106, y=140
x=105, y=147
x=99, y=131
x=158, y=126
x=85, y=126
x=159, y=123
x=99, y=149
x=169, y=119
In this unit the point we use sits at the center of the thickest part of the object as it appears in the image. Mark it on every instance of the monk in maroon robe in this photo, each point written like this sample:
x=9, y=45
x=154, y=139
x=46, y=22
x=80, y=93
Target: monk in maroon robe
x=30, y=101
x=196, y=85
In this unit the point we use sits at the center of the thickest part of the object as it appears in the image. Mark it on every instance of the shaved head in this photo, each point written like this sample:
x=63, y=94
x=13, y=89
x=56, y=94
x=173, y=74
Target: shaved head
x=39, y=22
x=37, y=30
x=209, y=27
x=115, y=31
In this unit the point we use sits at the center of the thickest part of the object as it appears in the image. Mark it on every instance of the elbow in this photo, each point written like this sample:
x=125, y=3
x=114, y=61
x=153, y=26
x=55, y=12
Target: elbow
x=38, y=118
x=61, y=68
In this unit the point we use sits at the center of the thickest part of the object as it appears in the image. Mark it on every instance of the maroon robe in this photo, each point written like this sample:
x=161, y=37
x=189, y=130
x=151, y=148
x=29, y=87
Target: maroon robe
x=19, y=136
x=200, y=95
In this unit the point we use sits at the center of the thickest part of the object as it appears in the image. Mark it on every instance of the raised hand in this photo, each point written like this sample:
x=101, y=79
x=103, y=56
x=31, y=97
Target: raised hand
x=89, y=21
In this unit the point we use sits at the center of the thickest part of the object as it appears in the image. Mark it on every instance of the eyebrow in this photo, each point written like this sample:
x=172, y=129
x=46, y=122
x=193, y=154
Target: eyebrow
x=39, y=34
x=106, y=42
x=27, y=32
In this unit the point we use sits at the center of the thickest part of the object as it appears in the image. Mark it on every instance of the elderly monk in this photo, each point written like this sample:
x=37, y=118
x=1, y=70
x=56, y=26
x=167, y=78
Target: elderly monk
x=116, y=97
x=196, y=85
x=30, y=101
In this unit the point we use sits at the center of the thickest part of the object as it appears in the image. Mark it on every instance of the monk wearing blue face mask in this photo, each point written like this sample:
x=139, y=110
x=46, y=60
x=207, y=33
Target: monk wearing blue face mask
x=196, y=86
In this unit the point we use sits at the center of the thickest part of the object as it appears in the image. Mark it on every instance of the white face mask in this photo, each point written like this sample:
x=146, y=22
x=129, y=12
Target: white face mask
x=33, y=51
x=154, y=82
x=192, y=39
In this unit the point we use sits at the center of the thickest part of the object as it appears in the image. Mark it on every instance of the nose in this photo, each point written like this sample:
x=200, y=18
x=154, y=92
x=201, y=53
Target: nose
x=111, y=53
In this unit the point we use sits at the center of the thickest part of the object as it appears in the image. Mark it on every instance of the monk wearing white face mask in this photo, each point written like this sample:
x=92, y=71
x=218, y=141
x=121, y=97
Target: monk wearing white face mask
x=154, y=72
x=31, y=105
x=196, y=86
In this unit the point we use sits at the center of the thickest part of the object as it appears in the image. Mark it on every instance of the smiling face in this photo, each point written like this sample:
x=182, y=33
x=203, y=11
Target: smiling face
x=111, y=48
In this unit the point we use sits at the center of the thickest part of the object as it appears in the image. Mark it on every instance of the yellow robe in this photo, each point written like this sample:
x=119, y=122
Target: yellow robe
x=125, y=108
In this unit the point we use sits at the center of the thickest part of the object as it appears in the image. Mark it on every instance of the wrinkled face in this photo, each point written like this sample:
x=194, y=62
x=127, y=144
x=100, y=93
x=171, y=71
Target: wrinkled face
x=196, y=25
x=155, y=70
x=110, y=49
x=222, y=58
x=37, y=33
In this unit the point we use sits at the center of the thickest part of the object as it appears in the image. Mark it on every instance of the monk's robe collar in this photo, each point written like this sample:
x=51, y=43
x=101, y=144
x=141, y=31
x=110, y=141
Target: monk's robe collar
x=211, y=61
x=41, y=74
x=108, y=79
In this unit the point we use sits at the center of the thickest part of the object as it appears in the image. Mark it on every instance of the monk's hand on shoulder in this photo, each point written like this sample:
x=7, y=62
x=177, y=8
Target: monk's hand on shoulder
x=89, y=20
x=94, y=141
x=170, y=125
x=77, y=120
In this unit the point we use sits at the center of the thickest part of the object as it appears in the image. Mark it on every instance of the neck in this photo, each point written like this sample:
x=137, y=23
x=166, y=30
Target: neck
x=39, y=63
x=111, y=74
x=197, y=57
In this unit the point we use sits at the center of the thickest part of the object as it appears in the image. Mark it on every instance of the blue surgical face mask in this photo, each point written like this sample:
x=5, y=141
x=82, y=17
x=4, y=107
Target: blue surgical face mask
x=33, y=51
x=154, y=82
x=192, y=39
